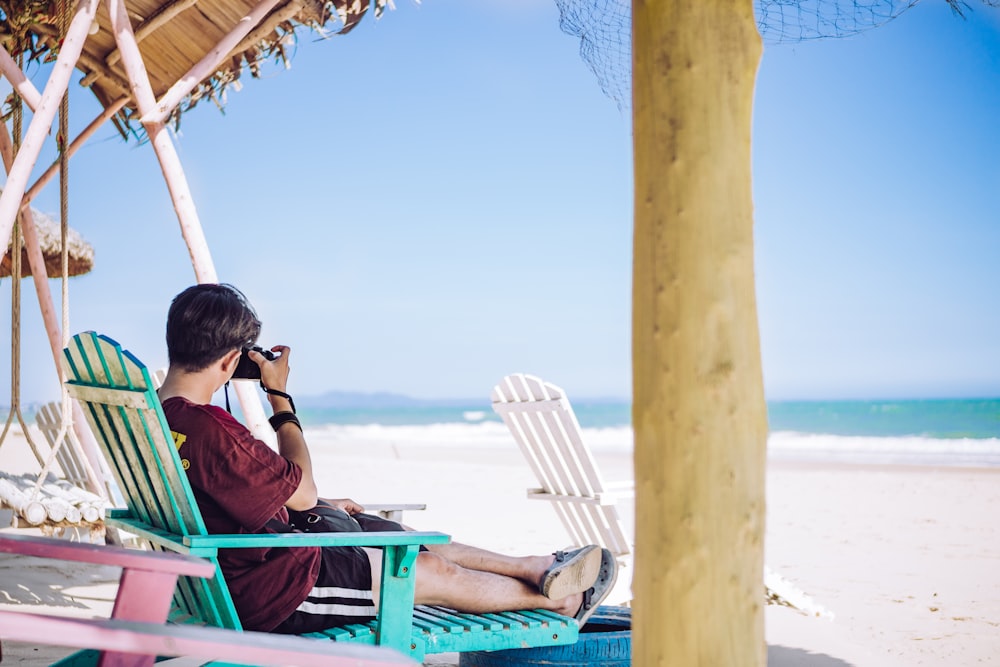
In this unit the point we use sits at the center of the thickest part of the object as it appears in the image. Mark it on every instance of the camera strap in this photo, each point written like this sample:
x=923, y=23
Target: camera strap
x=279, y=393
x=266, y=391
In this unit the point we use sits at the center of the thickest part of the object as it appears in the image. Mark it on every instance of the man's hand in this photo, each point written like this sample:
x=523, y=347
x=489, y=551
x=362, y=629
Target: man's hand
x=345, y=504
x=274, y=374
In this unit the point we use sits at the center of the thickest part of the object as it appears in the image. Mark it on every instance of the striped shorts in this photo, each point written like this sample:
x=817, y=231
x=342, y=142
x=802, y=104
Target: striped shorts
x=342, y=594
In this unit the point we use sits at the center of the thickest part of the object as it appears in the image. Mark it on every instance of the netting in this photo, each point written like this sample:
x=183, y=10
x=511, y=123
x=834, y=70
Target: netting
x=604, y=28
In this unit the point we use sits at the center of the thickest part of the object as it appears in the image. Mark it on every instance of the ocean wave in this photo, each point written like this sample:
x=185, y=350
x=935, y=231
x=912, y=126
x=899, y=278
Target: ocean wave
x=906, y=450
x=465, y=434
x=782, y=445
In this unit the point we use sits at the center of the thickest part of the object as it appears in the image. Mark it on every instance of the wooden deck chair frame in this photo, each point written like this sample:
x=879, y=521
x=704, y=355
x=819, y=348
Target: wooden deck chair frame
x=543, y=424
x=116, y=394
x=71, y=458
x=542, y=421
x=137, y=632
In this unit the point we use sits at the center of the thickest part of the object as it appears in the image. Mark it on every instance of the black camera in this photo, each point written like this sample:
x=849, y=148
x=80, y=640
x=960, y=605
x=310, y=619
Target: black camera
x=247, y=368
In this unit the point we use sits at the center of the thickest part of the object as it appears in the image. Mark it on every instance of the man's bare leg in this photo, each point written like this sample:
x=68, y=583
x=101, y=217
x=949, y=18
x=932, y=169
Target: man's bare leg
x=441, y=581
x=529, y=569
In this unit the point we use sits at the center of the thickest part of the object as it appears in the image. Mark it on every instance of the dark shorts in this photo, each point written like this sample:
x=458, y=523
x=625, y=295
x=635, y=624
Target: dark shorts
x=342, y=594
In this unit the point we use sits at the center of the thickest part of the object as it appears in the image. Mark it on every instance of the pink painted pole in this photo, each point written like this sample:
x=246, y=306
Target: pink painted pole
x=180, y=193
x=27, y=155
x=170, y=164
x=207, y=65
x=24, y=88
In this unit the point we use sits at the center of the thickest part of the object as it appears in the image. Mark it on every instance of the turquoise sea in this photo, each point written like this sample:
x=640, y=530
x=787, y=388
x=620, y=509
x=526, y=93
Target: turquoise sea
x=953, y=432
x=946, y=432
x=944, y=418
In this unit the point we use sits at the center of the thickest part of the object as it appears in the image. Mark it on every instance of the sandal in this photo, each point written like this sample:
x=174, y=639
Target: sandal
x=571, y=572
x=593, y=596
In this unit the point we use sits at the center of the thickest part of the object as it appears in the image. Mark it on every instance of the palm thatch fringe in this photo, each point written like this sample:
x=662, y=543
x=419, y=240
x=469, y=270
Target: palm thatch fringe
x=174, y=35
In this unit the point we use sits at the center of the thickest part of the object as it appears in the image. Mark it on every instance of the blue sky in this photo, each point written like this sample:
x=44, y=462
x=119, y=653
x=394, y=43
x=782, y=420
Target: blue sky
x=444, y=196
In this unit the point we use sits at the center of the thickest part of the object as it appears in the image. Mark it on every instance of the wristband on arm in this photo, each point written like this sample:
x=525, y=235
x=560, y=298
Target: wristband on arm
x=279, y=419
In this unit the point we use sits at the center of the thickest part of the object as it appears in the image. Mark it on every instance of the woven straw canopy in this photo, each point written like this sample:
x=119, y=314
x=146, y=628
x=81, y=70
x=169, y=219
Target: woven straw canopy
x=173, y=35
x=81, y=253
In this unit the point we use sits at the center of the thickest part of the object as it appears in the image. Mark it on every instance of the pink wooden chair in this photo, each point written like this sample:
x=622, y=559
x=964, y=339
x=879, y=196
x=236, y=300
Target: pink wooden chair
x=137, y=631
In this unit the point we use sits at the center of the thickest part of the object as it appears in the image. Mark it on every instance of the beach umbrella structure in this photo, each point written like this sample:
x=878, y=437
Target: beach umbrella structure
x=79, y=253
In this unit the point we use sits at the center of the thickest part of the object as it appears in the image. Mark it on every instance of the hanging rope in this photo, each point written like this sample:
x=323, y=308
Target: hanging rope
x=15, y=296
x=30, y=508
x=44, y=502
x=66, y=413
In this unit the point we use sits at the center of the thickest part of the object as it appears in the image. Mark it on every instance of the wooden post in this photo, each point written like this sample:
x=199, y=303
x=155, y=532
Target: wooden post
x=698, y=402
x=180, y=192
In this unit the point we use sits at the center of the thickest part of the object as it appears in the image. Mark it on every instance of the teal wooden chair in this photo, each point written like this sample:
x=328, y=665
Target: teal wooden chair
x=117, y=396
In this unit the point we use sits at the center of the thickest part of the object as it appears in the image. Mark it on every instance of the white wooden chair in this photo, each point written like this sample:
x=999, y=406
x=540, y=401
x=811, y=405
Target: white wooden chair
x=542, y=422
x=72, y=461
x=75, y=467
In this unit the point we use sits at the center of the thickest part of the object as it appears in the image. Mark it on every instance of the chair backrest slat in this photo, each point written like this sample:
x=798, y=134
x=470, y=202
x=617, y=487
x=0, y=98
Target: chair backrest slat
x=545, y=427
x=118, y=397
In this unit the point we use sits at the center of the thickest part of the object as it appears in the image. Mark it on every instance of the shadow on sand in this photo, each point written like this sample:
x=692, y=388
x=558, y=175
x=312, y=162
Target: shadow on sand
x=783, y=656
x=43, y=582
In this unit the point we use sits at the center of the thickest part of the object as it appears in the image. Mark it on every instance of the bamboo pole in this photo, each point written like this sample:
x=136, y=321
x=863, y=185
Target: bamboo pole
x=698, y=402
x=173, y=172
x=41, y=122
x=50, y=37
x=206, y=66
x=180, y=193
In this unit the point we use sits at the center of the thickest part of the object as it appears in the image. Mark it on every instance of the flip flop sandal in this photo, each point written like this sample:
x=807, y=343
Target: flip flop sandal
x=593, y=596
x=571, y=572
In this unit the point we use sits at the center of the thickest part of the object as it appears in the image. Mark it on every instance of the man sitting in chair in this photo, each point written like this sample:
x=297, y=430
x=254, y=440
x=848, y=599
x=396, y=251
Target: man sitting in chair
x=244, y=486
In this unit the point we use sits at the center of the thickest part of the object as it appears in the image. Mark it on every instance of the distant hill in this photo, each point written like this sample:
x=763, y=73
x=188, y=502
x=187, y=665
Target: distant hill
x=357, y=400
x=382, y=399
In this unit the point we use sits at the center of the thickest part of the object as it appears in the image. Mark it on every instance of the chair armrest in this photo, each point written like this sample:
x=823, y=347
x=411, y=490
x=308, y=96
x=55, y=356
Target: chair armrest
x=393, y=511
x=601, y=499
x=150, y=561
x=622, y=489
x=187, y=543
x=373, y=539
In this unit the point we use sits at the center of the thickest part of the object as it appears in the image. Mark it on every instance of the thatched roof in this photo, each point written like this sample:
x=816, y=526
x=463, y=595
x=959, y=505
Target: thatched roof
x=173, y=35
x=81, y=253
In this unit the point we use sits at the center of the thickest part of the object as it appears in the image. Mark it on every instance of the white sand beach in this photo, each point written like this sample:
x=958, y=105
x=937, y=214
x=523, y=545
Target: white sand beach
x=907, y=559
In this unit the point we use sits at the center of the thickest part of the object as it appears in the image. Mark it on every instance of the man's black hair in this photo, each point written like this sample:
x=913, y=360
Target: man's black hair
x=207, y=321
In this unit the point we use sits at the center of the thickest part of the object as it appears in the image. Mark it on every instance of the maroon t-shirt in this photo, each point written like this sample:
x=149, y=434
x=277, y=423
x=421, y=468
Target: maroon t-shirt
x=240, y=483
